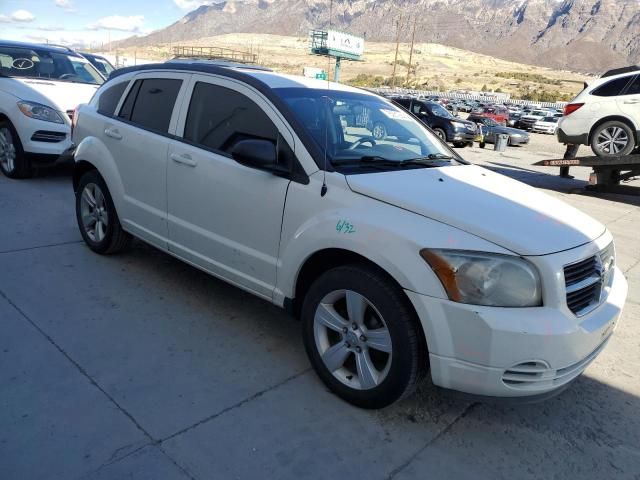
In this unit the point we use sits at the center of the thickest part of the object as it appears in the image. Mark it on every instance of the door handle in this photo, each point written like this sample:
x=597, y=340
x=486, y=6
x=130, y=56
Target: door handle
x=184, y=159
x=113, y=133
x=631, y=102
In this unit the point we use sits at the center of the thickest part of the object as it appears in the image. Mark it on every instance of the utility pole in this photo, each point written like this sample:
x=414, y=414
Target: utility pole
x=413, y=39
x=395, y=60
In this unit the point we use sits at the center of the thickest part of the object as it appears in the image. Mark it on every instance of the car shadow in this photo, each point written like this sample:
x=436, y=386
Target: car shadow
x=556, y=183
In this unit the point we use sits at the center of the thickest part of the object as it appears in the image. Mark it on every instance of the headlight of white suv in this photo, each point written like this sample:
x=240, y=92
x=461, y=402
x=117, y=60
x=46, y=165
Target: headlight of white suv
x=38, y=111
x=485, y=278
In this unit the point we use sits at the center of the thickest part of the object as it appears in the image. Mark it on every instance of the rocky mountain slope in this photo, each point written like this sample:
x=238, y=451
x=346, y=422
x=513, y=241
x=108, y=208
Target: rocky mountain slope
x=584, y=35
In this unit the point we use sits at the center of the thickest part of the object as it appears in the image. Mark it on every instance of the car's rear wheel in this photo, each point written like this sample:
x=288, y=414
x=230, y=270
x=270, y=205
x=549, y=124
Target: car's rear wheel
x=362, y=337
x=612, y=139
x=13, y=161
x=97, y=218
x=379, y=131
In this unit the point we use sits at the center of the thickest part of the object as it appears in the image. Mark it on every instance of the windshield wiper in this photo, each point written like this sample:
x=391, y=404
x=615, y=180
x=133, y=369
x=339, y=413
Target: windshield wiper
x=431, y=160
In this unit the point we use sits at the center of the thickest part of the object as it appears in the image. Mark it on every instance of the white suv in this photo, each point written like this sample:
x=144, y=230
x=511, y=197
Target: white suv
x=605, y=115
x=40, y=86
x=398, y=256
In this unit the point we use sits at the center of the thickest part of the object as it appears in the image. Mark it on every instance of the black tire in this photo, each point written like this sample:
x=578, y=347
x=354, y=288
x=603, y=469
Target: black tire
x=440, y=133
x=482, y=144
x=115, y=239
x=379, y=131
x=603, y=147
x=408, y=359
x=459, y=144
x=21, y=166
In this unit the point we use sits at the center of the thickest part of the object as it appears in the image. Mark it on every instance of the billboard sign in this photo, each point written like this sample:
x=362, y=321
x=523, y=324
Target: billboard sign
x=345, y=43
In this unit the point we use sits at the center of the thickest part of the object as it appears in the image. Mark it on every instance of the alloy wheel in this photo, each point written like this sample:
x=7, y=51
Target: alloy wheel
x=352, y=339
x=93, y=211
x=7, y=150
x=379, y=131
x=612, y=140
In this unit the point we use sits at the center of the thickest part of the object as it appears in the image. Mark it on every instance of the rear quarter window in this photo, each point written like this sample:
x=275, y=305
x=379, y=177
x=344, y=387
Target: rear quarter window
x=150, y=103
x=612, y=88
x=109, y=98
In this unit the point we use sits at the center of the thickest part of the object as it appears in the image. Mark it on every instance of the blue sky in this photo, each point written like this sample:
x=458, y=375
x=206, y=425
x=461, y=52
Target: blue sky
x=87, y=22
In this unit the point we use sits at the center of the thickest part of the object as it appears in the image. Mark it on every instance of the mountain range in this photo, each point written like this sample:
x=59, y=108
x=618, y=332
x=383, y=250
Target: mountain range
x=579, y=35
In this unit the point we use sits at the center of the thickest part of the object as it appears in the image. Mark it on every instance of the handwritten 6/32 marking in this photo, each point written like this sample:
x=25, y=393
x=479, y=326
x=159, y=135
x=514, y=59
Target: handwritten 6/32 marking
x=345, y=227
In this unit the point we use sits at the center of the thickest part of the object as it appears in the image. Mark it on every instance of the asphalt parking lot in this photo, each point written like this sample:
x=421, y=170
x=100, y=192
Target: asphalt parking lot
x=139, y=366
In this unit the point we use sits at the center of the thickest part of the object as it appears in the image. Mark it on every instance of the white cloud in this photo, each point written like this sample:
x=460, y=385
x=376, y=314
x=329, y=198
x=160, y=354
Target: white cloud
x=65, y=4
x=4, y=19
x=133, y=23
x=191, y=4
x=22, y=16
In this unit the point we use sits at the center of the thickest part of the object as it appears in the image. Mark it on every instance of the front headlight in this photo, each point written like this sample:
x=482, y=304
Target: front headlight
x=38, y=111
x=486, y=278
x=459, y=125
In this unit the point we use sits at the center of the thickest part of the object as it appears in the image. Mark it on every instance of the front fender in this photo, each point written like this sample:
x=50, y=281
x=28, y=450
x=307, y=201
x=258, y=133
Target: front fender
x=387, y=235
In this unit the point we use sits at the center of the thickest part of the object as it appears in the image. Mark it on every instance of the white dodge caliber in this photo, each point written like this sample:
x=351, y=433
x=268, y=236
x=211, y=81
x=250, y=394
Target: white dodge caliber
x=399, y=257
x=40, y=86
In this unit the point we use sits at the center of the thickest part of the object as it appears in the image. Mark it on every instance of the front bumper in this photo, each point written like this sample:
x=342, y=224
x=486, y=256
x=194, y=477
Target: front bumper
x=519, y=140
x=463, y=136
x=481, y=350
x=39, y=138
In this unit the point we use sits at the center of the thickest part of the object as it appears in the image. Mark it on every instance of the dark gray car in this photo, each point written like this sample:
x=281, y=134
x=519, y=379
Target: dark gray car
x=491, y=128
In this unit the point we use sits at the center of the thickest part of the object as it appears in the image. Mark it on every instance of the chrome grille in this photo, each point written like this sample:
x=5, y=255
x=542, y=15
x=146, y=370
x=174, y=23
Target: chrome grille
x=585, y=281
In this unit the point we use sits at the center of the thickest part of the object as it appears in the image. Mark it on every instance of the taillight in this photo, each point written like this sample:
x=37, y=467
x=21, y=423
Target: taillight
x=571, y=107
x=74, y=119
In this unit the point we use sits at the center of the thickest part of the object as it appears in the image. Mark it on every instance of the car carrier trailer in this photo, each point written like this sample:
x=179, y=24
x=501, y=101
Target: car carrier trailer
x=607, y=172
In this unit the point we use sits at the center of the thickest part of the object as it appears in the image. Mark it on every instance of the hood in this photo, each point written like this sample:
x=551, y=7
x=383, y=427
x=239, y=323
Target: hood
x=62, y=96
x=499, y=209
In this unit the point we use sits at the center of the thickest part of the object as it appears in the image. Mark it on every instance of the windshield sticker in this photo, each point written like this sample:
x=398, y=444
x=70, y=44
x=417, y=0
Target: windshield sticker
x=22, y=64
x=395, y=114
x=345, y=227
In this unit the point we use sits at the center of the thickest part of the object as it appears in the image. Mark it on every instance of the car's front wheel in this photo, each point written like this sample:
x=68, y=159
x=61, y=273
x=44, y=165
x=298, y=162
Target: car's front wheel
x=97, y=218
x=362, y=337
x=612, y=139
x=13, y=161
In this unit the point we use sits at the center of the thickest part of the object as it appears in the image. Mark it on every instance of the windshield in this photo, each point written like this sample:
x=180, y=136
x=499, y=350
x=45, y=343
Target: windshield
x=21, y=62
x=103, y=65
x=440, y=111
x=550, y=119
x=490, y=122
x=358, y=129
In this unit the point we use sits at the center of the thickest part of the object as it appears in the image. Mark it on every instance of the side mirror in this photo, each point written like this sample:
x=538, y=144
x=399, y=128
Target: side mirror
x=259, y=154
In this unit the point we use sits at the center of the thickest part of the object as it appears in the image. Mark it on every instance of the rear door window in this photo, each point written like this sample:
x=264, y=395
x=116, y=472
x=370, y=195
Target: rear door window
x=150, y=103
x=219, y=117
x=612, y=88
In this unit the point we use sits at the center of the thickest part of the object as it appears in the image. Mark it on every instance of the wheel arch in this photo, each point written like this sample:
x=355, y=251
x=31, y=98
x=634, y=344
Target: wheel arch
x=619, y=118
x=324, y=260
x=80, y=168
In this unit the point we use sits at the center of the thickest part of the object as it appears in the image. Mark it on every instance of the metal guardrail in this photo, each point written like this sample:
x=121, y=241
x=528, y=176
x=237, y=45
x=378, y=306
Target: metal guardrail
x=215, y=53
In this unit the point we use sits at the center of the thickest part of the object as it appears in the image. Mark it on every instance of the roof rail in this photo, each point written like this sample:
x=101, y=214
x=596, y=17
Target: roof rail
x=56, y=45
x=618, y=71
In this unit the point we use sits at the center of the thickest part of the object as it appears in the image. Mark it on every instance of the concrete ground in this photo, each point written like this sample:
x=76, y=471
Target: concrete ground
x=137, y=366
